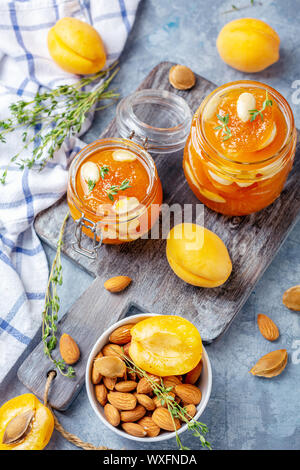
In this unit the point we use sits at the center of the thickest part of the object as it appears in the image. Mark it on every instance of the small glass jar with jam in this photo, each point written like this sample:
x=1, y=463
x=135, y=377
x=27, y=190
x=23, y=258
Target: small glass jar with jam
x=114, y=191
x=241, y=148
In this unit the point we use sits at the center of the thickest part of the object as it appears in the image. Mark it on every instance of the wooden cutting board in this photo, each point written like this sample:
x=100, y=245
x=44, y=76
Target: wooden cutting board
x=252, y=242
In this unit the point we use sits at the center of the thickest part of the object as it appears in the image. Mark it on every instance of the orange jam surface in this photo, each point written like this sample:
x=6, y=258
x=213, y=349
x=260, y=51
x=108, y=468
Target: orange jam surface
x=121, y=181
x=134, y=172
x=227, y=167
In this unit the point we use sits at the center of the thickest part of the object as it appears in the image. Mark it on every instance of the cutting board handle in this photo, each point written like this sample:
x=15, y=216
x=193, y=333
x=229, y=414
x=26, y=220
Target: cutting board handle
x=104, y=309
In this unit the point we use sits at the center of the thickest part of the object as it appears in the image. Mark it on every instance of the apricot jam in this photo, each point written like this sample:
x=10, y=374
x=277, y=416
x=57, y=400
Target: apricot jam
x=241, y=148
x=114, y=184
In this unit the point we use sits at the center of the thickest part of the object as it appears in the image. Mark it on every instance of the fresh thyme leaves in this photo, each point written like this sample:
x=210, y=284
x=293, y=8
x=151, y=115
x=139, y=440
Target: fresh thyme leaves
x=224, y=126
x=54, y=115
x=176, y=411
x=91, y=184
x=103, y=171
x=113, y=190
x=243, y=7
x=51, y=308
x=254, y=112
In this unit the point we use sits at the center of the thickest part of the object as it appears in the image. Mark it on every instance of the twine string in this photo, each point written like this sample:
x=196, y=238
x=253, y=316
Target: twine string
x=67, y=435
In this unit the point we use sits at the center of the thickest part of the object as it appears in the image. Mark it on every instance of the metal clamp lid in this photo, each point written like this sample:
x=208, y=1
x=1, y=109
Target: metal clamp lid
x=77, y=244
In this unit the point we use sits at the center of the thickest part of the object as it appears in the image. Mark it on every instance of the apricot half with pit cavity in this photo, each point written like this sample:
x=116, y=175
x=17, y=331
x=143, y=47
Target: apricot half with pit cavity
x=165, y=345
x=198, y=256
x=248, y=44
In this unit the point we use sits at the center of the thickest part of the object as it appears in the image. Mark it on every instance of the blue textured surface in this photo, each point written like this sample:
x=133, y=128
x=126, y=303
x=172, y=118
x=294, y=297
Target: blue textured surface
x=244, y=412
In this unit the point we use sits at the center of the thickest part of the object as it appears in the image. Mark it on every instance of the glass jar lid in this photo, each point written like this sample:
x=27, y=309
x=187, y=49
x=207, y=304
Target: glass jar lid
x=156, y=118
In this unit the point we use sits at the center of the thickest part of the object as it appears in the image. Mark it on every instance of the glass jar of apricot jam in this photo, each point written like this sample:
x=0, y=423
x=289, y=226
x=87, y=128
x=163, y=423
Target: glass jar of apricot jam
x=114, y=191
x=241, y=148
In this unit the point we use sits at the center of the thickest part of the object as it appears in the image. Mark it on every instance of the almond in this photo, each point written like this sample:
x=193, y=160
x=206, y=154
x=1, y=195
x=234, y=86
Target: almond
x=291, y=298
x=188, y=393
x=267, y=327
x=126, y=386
x=145, y=401
x=121, y=335
x=158, y=401
x=271, y=364
x=191, y=410
x=112, y=350
x=110, y=366
x=112, y=414
x=193, y=376
x=109, y=382
x=164, y=420
x=171, y=381
x=133, y=415
x=181, y=77
x=134, y=429
x=69, y=350
x=122, y=401
x=101, y=394
x=144, y=386
x=149, y=426
x=96, y=376
x=126, y=349
x=117, y=284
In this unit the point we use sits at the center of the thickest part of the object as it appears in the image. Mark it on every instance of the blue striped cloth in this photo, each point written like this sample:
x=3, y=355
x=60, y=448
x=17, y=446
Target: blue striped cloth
x=25, y=67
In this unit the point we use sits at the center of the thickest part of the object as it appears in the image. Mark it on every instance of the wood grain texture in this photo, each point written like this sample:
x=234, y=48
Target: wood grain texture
x=252, y=242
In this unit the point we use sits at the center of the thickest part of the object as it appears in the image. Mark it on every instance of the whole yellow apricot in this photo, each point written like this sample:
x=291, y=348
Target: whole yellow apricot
x=76, y=46
x=165, y=345
x=248, y=44
x=198, y=256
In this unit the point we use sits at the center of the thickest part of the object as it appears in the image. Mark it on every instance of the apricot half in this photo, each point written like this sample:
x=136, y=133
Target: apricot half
x=165, y=345
x=76, y=46
x=198, y=256
x=248, y=44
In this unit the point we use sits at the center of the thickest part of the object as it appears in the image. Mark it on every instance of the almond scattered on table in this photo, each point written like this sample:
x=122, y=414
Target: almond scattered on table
x=117, y=283
x=291, y=298
x=267, y=327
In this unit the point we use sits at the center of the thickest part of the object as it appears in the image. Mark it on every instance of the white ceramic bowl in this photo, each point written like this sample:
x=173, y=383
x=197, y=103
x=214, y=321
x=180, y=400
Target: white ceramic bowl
x=204, y=383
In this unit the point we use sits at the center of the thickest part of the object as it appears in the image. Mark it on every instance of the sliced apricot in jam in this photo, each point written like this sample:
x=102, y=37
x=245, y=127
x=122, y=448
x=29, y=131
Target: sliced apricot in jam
x=165, y=345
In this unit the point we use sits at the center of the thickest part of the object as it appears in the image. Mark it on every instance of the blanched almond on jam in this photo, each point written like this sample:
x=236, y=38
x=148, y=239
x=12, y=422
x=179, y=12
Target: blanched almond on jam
x=245, y=103
x=90, y=172
x=122, y=155
x=125, y=205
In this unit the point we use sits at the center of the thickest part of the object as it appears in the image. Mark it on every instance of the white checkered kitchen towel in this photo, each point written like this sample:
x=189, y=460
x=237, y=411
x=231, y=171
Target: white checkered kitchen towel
x=25, y=66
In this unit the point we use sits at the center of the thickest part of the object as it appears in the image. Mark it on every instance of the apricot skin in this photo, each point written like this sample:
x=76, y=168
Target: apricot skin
x=76, y=46
x=198, y=256
x=248, y=45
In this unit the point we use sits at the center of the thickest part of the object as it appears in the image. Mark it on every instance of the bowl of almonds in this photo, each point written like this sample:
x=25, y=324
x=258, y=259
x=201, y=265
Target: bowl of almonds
x=139, y=404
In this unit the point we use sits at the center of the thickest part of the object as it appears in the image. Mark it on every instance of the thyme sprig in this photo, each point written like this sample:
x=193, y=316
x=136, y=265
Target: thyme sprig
x=197, y=428
x=53, y=116
x=103, y=171
x=91, y=184
x=254, y=112
x=226, y=131
x=51, y=308
x=113, y=190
